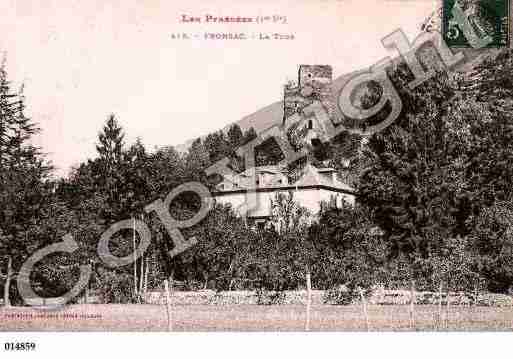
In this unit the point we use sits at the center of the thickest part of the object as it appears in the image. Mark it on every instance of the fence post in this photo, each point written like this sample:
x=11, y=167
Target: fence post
x=86, y=296
x=412, y=306
x=168, y=307
x=447, y=308
x=145, y=286
x=7, y=285
x=141, y=280
x=440, y=307
x=364, y=305
x=308, y=300
x=135, y=257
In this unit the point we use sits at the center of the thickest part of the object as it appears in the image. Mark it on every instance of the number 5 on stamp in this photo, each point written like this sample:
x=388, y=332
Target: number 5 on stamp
x=476, y=23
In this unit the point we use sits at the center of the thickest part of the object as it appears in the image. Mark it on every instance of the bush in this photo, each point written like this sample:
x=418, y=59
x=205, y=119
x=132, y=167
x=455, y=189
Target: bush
x=116, y=288
x=342, y=295
x=492, y=239
x=270, y=297
x=495, y=300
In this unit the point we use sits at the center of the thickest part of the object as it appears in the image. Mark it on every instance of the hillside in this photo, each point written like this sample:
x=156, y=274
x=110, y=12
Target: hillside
x=272, y=114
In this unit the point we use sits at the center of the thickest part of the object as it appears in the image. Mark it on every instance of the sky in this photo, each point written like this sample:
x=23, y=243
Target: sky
x=83, y=60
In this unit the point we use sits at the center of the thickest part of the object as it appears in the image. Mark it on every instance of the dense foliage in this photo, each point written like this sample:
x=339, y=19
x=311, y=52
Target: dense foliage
x=434, y=204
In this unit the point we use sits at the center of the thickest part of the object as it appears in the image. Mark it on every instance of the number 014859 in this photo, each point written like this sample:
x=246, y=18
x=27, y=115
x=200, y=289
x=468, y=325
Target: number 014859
x=19, y=346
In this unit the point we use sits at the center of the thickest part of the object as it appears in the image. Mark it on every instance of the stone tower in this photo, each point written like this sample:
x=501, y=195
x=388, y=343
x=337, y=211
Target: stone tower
x=314, y=84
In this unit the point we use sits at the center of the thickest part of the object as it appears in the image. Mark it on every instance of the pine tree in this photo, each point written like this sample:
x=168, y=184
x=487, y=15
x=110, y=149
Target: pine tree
x=196, y=161
x=110, y=150
x=235, y=136
x=135, y=173
x=15, y=128
x=24, y=185
x=218, y=146
x=111, y=144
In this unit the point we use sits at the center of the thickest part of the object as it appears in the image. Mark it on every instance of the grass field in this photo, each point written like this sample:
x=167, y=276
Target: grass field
x=135, y=317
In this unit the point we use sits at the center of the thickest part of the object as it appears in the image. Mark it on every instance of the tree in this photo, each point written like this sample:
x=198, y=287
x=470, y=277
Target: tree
x=24, y=181
x=114, y=186
x=196, y=160
x=415, y=183
x=218, y=259
x=137, y=177
x=287, y=215
x=268, y=153
x=485, y=95
x=492, y=243
x=111, y=142
x=14, y=126
x=218, y=146
x=349, y=249
x=445, y=160
x=235, y=136
x=168, y=169
x=285, y=255
x=110, y=151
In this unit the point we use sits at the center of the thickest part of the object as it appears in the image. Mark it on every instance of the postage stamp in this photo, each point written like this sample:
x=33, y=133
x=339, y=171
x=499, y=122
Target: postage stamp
x=476, y=23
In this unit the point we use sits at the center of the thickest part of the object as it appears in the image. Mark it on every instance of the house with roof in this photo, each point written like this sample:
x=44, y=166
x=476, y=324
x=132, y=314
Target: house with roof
x=314, y=186
x=250, y=192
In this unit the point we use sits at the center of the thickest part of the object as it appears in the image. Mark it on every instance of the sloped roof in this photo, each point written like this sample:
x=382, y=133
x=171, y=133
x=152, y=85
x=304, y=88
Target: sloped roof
x=263, y=169
x=245, y=180
x=312, y=177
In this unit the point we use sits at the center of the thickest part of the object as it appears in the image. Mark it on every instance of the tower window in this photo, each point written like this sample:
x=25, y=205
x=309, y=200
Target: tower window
x=310, y=124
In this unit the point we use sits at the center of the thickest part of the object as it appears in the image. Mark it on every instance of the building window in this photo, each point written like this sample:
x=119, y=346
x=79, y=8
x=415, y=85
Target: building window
x=310, y=124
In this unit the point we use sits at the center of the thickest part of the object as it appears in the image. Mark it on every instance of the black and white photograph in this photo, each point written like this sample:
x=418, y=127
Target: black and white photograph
x=316, y=168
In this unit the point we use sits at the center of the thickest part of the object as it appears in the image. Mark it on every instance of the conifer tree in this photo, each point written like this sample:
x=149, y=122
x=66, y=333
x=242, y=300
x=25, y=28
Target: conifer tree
x=110, y=150
x=24, y=182
x=235, y=136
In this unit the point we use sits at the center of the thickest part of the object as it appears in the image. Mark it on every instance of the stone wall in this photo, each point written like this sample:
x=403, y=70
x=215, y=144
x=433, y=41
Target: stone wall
x=209, y=297
x=378, y=297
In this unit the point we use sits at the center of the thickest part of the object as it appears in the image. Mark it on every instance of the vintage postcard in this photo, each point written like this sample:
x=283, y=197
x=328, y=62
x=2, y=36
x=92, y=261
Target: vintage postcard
x=255, y=166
